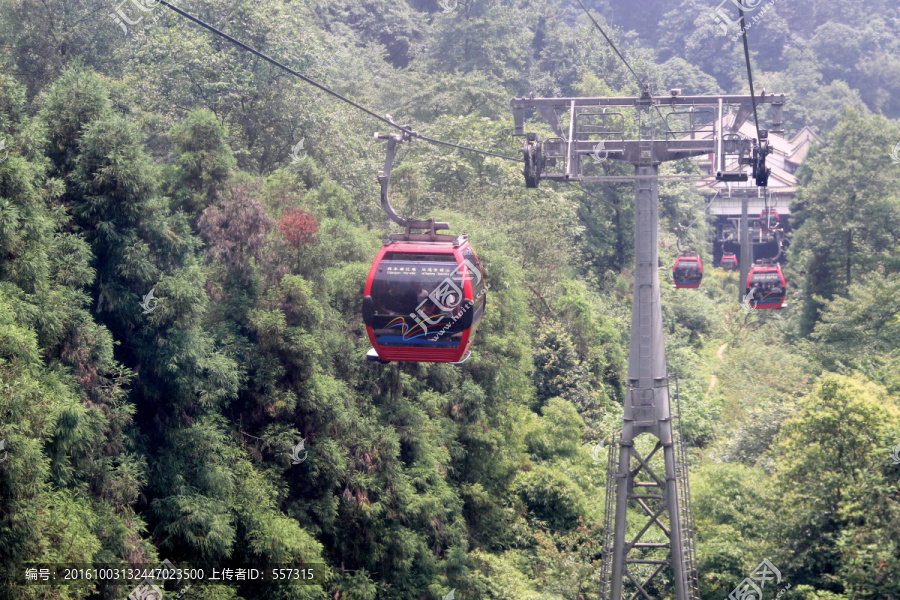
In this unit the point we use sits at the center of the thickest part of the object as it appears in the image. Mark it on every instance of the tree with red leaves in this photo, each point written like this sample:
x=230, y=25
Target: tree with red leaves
x=299, y=227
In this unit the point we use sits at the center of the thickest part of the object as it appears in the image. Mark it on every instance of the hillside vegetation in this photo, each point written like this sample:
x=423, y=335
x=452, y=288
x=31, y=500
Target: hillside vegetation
x=151, y=156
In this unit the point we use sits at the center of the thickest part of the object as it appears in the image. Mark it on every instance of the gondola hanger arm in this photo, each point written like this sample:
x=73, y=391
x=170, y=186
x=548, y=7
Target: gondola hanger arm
x=384, y=178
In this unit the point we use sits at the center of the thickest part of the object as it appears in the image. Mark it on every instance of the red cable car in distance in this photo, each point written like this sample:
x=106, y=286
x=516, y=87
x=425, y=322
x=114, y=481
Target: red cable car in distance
x=423, y=300
x=425, y=293
x=766, y=286
x=687, y=272
x=729, y=262
x=769, y=219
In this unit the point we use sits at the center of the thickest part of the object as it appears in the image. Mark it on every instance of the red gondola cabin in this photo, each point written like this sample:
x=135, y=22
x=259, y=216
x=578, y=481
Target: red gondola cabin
x=423, y=301
x=729, y=262
x=766, y=287
x=687, y=272
x=768, y=219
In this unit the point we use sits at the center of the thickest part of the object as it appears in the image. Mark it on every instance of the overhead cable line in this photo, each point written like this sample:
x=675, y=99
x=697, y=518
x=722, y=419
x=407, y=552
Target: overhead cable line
x=641, y=83
x=764, y=149
x=749, y=70
x=327, y=90
x=610, y=42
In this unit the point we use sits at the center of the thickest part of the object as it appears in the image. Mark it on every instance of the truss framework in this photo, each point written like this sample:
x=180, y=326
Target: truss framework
x=658, y=556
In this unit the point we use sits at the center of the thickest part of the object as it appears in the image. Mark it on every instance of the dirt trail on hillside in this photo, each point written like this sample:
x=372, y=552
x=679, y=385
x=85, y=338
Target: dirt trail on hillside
x=719, y=354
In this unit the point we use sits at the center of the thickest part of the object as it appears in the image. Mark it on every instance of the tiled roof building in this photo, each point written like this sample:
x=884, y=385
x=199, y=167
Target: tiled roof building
x=725, y=197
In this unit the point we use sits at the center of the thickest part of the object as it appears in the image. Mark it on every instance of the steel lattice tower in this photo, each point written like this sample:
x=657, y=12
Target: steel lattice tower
x=638, y=559
x=651, y=556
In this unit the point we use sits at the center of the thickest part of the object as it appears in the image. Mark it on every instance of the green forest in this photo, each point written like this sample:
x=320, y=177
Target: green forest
x=186, y=231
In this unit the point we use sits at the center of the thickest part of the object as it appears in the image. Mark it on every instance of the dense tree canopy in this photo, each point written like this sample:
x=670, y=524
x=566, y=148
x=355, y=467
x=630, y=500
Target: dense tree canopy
x=185, y=233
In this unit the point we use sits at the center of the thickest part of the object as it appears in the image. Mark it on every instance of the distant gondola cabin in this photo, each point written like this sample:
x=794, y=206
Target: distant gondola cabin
x=729, y=262
x=687, y=272
x=769, y=219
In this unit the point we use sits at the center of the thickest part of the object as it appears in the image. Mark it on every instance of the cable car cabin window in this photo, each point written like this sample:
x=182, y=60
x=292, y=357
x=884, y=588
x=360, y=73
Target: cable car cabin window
x=688, y=269
x=420, y=300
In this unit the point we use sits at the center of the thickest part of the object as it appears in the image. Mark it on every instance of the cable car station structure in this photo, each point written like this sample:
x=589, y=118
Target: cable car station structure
x=653, y=556
x=725, y=199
